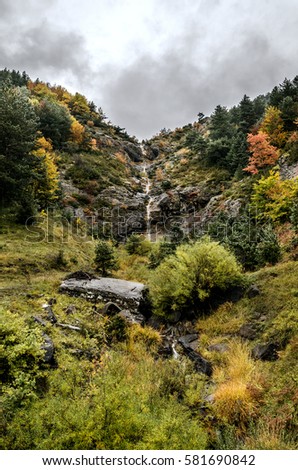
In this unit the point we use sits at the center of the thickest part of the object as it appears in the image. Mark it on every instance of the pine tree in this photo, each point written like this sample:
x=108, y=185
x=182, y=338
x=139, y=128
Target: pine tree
x=18, y=131
x=220, y=125
x=246, y=114
x=105, y=259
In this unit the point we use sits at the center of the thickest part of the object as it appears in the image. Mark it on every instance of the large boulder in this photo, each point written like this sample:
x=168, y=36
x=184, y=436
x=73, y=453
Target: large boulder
x=128, y=295
x=134, y=152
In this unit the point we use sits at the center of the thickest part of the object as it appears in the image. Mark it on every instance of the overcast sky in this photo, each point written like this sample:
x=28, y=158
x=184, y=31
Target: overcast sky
x=152, y=64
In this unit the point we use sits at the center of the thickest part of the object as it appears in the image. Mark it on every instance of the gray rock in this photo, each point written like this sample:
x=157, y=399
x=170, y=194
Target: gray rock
x=265, y=352
x=128, y=295
x=218, y=347
x=232, y=207
x=39, y=320
x=248, y=331
x=50, y=314
x=189, y=341
x=49, y=349
x=134, y=152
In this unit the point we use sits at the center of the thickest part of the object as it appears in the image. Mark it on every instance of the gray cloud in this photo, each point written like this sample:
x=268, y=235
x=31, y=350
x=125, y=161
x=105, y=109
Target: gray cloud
x=190, y=76
x=203, y=53
x=32, y=43
x=154, y=94
x=42, y=49
x=5, y=8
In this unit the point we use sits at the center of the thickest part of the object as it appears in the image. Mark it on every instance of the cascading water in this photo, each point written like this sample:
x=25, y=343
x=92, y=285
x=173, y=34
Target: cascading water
x=149, y=203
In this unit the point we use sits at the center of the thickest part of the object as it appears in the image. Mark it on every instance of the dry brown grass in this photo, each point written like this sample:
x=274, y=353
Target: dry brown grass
x=239, y=386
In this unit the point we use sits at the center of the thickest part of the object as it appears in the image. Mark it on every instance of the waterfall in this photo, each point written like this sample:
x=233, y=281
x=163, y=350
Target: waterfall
x=175, y=354
x=149, y=203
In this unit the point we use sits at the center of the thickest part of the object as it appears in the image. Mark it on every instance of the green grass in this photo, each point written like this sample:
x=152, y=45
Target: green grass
x=266, y=398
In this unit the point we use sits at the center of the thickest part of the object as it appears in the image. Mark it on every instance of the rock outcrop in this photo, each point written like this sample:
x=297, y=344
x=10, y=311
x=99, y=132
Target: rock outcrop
x=128, y=295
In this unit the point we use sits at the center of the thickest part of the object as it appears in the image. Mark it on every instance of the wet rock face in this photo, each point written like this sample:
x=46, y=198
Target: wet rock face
x=123, y=213
x=128, y=295
x=134, y=152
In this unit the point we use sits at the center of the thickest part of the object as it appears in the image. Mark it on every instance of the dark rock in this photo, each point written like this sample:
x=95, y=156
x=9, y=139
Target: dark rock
x=201, y=364
x=39, y=320
x=128, y=295
x=189, y=341
x=134, y=152
x=265, y=352
x=165, y=349
x=50, y=314
x=130, y=318
x=52, y=301
x=218, y=347
x=111, y=309
x=49, y=349
x=253, y=291
x=248, y=331
x=235, y=293
x=80, y=275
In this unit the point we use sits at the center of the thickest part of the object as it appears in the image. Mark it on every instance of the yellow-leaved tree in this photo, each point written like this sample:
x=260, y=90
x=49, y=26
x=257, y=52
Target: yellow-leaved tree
x=47, y=185
x=273, y=126
x=77, y=131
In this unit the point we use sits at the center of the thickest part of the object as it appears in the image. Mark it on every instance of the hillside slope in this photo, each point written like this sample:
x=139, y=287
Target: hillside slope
x=207, y=217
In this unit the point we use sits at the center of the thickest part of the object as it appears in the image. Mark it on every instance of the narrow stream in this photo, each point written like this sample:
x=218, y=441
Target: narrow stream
x=149, y=203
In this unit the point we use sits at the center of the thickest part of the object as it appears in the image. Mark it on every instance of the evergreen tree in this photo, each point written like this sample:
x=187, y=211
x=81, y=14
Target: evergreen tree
x=105, y=259
x=217, y=152
x=220, y=125
x=18, y=131
x=238, y=155
x=246, y=114
x=196, y=142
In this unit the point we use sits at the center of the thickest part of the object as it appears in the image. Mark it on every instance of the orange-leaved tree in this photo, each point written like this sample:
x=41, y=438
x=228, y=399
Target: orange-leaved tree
x=262, y=153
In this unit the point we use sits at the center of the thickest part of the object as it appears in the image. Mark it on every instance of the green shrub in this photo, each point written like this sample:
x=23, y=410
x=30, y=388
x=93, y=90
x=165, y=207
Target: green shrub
x=191, y=275
x=20, y=359
x=127, y=401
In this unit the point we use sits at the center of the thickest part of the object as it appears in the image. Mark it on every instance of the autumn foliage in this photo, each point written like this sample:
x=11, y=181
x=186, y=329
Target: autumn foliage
x=262, y=153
